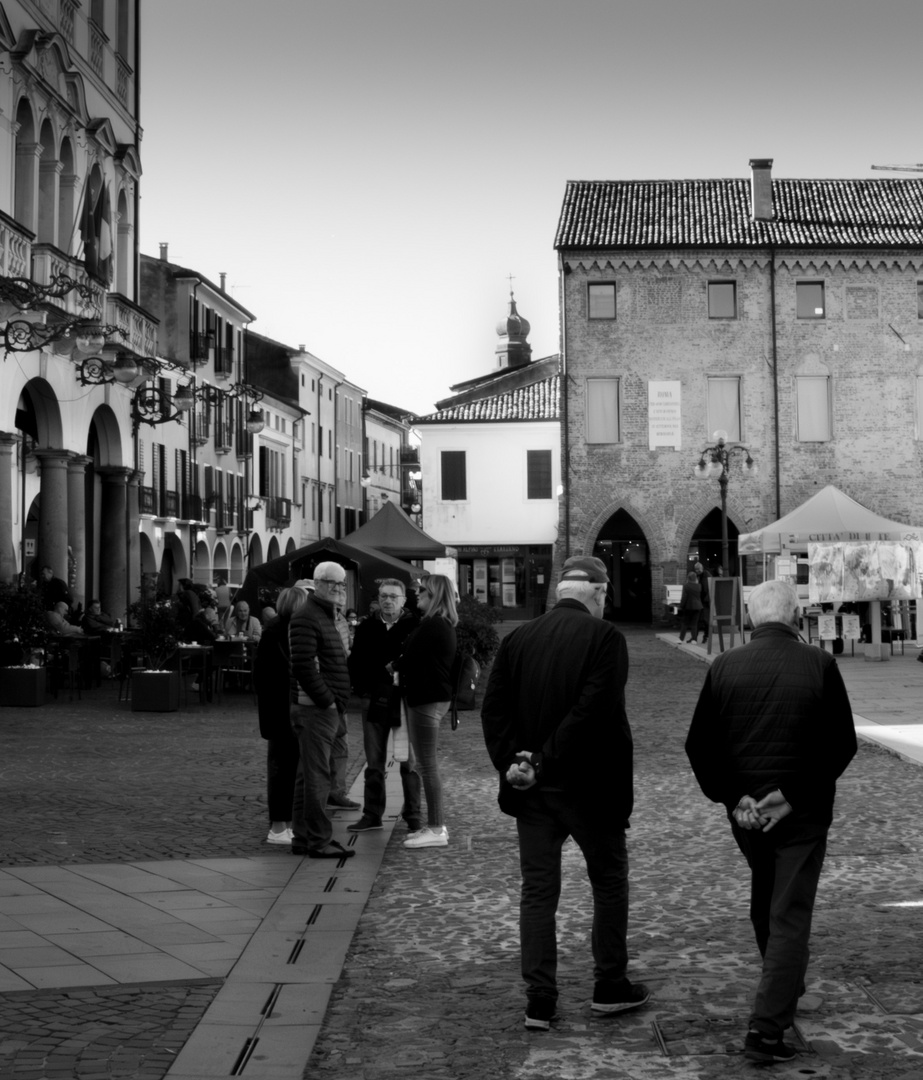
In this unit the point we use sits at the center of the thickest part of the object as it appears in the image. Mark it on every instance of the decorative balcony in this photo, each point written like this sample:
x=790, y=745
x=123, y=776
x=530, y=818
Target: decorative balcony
x=278, y=512
x=15, y=248
x=410, y=455
x=48, y=263
x=139, y=329
x=224, y=437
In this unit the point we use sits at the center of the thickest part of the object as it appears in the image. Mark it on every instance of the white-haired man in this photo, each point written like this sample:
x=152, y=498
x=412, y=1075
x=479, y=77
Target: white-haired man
x=320, y=694
x=554, y=708
x=771, y=734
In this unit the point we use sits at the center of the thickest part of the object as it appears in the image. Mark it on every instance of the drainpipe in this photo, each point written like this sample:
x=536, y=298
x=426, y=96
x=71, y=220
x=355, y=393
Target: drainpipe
x=336, y=462
x=565, y=438
x=775, y=376
x=136, y=269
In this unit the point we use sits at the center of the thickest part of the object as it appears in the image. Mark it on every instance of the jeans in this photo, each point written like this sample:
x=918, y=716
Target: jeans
x=318, y=732
x=375, y=741
x=281, y=767
x=545, y=821
x=785, y=866
x=339, y=761
x=423, y=731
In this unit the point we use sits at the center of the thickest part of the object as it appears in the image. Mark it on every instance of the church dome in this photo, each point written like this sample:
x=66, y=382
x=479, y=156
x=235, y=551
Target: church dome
x=514, y=325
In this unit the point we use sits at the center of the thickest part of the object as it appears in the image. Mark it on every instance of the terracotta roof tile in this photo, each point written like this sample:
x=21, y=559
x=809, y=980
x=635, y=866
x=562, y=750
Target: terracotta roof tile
x=716, y=213
x=539, y=401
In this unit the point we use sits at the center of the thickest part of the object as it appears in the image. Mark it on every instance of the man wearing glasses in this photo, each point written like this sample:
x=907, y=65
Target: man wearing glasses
x=379, y=640
x=320, y=694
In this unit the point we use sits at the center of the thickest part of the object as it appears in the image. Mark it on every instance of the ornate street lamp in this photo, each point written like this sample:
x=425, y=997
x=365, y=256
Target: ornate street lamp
x=714, y=464
x=97, y=370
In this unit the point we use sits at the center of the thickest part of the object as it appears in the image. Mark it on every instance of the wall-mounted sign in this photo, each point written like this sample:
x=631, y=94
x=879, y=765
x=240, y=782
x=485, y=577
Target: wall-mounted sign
x=664, y=416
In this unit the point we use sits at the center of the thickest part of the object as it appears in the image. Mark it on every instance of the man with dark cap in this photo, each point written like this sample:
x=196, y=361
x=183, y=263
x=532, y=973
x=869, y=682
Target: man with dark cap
x=555, y=706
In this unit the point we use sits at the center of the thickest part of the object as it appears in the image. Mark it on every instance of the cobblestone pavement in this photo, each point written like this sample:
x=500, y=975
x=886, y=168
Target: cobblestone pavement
x=431, y=984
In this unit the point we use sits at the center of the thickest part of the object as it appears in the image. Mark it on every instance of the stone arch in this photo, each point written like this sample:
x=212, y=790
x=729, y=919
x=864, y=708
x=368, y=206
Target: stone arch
x=174, y=563
x=256, y=551
x=108, y=436
x=623, y=543
x=148, y=555
x=220, y=561
x=290, y=546
x=236, y=576
x=203, y=564
x=593, y=530
x=698, y=509
x=273, y=551
x=39, y=409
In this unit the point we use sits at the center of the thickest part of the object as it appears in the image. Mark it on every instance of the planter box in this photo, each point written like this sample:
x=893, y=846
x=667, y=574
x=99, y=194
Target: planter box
x=23, y=687
x=155, y=691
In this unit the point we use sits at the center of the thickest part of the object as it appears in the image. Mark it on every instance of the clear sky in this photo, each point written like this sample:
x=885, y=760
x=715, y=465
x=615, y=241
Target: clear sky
x=369, y=172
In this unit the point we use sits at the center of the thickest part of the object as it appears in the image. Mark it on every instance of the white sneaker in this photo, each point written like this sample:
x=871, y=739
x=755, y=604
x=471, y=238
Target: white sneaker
x=428, y=838
x=284, y=837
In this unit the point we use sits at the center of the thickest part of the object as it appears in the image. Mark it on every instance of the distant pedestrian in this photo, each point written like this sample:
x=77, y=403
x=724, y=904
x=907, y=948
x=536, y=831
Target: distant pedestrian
x=690, y=608
x=425, y=668
x=556, y=730
x=705, y=615
x=271, y=682
x=771, y=734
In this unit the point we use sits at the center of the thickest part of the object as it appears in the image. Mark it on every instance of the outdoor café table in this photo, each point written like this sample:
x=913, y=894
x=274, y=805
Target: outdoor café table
x=187, y=655
x=235, y=654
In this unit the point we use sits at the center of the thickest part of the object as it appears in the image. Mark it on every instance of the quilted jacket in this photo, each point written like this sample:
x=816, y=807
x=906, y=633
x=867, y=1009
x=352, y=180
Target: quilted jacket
x=319, y=670
x=773, y=714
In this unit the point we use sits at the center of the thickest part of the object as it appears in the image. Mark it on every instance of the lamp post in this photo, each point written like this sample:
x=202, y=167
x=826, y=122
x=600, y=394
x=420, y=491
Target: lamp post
x=714, y=463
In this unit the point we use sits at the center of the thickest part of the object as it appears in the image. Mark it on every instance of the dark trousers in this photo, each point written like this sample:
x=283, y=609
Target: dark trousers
x=375, y=740
x=281, y=766
x=689, y=624
x=320, y=732
x=785, y=866
x=547, y=819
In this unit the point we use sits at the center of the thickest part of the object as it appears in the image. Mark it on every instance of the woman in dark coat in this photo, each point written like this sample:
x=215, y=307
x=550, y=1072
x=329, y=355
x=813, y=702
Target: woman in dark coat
x=690, y=607
x=425, y=667
x=271, y=679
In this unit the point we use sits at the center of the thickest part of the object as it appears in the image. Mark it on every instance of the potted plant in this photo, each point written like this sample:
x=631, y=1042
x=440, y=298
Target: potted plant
x=23, y=633
x=157, y=626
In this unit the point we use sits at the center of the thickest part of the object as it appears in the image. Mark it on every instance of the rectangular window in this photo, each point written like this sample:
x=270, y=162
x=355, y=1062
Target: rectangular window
x=809, y=297
x=454, y=475
x=724, y=408
x=722, y=299
x=601, y=301
x=538, y=472
x=920, y=299
x=602, y=411
x=813, y=394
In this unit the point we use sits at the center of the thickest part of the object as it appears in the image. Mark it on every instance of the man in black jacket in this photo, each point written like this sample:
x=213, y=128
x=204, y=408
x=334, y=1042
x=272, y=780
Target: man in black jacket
x=554, y=708
x=320, y=694
x=379, y=640
x=771, y=734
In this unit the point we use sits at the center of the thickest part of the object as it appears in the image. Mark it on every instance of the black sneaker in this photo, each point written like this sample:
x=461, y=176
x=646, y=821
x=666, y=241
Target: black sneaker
x=760, y=1047
x=365, y=824
x=618, y=997
x=341, y=802
x=540, y=1011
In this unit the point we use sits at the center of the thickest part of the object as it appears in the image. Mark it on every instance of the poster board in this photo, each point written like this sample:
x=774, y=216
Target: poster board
x=726, y=611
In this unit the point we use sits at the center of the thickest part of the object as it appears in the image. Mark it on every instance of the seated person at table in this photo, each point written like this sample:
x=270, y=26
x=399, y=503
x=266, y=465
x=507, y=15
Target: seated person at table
x=96, y=621
x=242, y=624
x=57, y=621
x=205, y=627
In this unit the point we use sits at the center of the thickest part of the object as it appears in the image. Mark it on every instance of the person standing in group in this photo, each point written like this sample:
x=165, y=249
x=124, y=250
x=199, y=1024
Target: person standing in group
x=690, y=608
x=271, y=681
x=320, y=693
x=553, y=717
x=379, y=640
x=425, y=669
x=771, y=734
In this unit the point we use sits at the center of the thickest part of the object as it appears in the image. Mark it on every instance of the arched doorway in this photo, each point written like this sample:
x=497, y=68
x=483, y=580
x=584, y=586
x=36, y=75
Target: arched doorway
x=272, y=551
x=290, y=546
x=622, y=546
x=705, y=546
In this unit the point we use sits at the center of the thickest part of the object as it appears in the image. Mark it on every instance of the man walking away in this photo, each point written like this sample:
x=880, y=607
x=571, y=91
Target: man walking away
x=771, y=733
x=554, y=708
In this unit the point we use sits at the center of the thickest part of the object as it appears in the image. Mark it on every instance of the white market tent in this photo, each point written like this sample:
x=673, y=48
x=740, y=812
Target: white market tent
x=827, y=517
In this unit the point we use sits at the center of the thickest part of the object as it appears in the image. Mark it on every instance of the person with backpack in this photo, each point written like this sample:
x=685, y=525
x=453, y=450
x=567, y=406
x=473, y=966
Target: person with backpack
x=425, y=671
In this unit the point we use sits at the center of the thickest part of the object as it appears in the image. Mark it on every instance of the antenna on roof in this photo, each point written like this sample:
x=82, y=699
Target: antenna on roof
x=900, y=168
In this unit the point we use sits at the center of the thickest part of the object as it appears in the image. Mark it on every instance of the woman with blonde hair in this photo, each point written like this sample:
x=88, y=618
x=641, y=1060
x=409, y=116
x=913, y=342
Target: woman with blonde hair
x=425, y=667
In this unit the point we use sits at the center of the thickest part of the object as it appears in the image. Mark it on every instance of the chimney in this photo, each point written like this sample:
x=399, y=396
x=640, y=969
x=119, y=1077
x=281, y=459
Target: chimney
x=222, y=279
x=761, y=189
x=163, y=252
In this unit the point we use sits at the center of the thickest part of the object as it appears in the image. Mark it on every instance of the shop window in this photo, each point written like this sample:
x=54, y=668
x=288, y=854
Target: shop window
x=454, y=476
x=813, y=397
x=722, y=300
x=601, y=300
x=602, y=411
x=538, y=471
x=809, y=300
x=724, y=407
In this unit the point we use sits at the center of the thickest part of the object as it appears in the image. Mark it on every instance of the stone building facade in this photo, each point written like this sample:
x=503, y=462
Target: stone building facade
x=786, y=313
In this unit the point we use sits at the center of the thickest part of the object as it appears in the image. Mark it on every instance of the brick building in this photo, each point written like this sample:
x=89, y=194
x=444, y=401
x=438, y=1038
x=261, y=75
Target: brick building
x=788, y=313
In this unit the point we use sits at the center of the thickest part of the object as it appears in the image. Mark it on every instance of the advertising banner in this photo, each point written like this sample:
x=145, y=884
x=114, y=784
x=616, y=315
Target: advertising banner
x=877, y=570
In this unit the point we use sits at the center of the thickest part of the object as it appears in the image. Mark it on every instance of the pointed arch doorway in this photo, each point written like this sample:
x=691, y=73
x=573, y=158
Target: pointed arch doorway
x=705, y=545
x=622, y=546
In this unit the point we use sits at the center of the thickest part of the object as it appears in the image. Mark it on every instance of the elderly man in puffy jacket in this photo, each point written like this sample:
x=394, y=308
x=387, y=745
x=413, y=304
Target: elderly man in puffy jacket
x=320, y=693
x=771, y=734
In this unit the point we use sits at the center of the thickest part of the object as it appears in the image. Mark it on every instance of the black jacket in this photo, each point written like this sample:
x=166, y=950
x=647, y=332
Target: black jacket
x=557, y=688
x=376, y=644
x=773, y=714
x=425, y=664
x=271, y=679
x=318, y=657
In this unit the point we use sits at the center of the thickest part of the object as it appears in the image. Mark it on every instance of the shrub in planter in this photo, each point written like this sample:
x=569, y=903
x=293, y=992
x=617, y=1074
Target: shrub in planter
x=156, y=621
x=23, y=630
x=475, y=631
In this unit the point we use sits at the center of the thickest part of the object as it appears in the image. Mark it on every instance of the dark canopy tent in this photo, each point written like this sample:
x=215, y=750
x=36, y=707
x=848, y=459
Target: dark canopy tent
x=392, y=532
x=364, y=569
